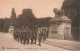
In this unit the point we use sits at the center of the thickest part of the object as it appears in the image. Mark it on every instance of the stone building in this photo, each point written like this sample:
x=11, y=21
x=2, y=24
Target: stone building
x=60, y=27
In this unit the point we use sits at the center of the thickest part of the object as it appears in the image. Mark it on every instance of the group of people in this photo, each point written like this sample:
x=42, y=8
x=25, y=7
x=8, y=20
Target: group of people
x=27, y=37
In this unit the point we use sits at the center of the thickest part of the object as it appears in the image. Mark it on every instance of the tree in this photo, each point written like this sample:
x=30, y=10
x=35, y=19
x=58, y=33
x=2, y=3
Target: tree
x=13, y=14
x=6, y=24
x=13, y=18
x=27, y=18
x=43, y=22
x=1, y=24
x=72, y=10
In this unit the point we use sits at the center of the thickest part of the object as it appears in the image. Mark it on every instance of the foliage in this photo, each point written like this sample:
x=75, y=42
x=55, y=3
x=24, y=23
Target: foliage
x=1, y=24
x=72, y=10
x=27, y=19
x=43, y=22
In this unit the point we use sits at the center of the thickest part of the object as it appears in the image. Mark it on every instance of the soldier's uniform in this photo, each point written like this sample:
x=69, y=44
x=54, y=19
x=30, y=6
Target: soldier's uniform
x=24, y=37
x=14, y=35
x=32, y=39
x=35, y=38
x=21, y=37
x=27, y=38
x=40, y=38
x=18, y=36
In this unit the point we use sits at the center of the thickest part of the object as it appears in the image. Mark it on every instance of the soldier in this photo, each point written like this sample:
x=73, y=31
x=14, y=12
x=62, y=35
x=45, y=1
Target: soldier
x=18, y=36
x=32, y=38
x=24, y=38
x=27, y=37
x=40, y=38
x=14, y=35
x=21, y=37
x=35, y=38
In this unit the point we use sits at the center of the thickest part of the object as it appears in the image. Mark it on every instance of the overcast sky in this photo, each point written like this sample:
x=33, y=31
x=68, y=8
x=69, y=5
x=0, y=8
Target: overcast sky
x=40, y=8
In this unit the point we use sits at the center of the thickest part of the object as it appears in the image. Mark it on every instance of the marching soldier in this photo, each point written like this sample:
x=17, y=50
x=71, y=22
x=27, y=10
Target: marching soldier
x=14, y=35
x=27, y=38
x=40, y=38
x=21, y=38
x=24, y=37
x=18, y=36
x=35, y=38
x=32, y=38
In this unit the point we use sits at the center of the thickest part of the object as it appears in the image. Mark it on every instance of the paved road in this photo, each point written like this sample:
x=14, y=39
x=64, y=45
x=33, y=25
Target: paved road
x=71, y=45
x=8, y=43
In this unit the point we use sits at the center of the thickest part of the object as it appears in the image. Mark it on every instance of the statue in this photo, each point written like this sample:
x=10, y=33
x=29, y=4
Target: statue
x=58, y=12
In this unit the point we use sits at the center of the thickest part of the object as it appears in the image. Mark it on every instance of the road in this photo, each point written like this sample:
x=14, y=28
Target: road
x=8, y=43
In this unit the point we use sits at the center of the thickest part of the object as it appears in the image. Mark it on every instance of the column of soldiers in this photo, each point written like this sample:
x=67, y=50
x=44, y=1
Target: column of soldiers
x=26, y=37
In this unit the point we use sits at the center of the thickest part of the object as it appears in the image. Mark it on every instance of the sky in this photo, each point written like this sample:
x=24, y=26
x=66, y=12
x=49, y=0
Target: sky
x=40, y=8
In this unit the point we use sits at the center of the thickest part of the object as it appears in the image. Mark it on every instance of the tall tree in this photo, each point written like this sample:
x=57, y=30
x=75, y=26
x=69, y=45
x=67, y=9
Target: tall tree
x=72, y=10
x=27, y=18
x=13, y=18
x=13, y=14
x=6, y=24
x=1, y=24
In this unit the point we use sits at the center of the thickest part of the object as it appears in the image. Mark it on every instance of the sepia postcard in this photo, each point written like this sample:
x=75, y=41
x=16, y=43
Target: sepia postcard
x=39, y=25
